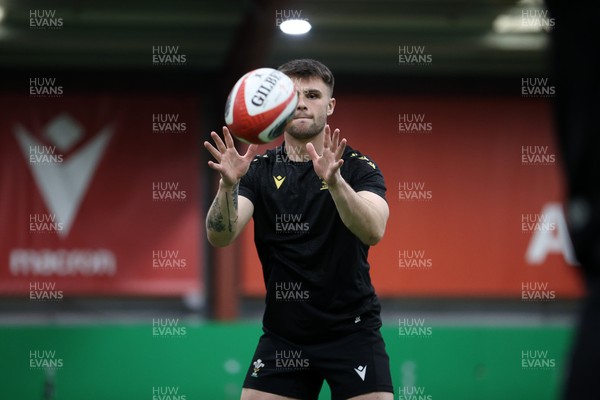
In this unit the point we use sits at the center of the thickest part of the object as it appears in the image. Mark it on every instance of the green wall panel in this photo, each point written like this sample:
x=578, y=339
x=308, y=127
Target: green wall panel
x=208, y=361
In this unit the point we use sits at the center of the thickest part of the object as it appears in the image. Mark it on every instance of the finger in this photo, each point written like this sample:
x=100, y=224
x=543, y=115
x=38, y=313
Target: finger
x=336, y=138
x=228, y=138
x=312, y=153
x=218, y=142
x=338, y=165
x=251, y=152
x=211, y=149
x=215, y=166
x=339, y=152
x=327, y=140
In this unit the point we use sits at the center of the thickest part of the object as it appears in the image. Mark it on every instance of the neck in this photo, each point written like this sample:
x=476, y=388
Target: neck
x=296, y=148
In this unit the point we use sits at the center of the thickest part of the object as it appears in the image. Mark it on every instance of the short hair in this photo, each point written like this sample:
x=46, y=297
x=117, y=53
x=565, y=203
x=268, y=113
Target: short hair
x=306, y=68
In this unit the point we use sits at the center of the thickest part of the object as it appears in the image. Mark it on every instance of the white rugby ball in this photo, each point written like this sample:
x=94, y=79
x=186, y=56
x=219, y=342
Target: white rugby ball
x=260, y=105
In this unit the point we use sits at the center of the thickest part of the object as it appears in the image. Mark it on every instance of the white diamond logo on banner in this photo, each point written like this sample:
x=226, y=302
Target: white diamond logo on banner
x=63, y=185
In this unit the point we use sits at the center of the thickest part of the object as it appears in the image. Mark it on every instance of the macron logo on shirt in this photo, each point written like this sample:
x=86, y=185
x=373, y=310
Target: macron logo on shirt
x=279, y=180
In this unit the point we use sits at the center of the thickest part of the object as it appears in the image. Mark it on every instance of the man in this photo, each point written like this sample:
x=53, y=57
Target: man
x=317, y=206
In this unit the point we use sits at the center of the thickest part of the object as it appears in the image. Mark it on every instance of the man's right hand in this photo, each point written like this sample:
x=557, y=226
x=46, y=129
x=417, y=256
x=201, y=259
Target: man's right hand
x=230, y=164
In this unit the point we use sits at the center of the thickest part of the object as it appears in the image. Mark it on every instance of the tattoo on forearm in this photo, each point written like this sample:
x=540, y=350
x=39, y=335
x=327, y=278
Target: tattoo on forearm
x=215, y=218
x=228, y=212
x=234, y=195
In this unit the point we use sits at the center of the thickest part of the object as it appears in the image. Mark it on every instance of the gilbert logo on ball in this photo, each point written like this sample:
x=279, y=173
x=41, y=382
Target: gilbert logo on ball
x=260, y=105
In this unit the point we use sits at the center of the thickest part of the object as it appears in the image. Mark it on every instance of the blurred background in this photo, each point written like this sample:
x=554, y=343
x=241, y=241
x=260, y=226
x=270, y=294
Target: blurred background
x=108, y=287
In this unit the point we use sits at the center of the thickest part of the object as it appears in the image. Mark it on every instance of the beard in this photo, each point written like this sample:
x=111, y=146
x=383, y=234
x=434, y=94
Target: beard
x=303, y=131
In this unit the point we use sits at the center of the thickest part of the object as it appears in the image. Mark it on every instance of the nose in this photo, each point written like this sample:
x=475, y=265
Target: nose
x=301, y=104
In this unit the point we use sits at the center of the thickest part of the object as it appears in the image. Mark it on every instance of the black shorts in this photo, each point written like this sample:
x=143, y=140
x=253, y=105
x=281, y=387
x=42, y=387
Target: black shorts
x=352, y=365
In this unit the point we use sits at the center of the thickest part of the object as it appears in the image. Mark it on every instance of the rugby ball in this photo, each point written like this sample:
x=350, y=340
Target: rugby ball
x=260, y=105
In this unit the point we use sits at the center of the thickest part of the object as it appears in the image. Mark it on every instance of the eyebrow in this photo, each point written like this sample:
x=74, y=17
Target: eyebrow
x=312, y=90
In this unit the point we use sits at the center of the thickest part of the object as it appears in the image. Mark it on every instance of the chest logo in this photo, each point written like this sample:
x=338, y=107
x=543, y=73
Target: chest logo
x=278, y=180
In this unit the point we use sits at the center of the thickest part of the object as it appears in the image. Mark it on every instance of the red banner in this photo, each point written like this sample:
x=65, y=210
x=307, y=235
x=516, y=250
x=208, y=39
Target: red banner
x=99, y=195
x=475, y=194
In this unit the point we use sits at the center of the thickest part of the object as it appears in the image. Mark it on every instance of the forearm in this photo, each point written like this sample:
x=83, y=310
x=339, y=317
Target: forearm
x=222, y=217
x=359, y=215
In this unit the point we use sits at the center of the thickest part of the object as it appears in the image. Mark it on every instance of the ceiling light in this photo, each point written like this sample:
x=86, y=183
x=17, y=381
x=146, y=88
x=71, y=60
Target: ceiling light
x=295, y=26
x=506, y=23
x=528, y=16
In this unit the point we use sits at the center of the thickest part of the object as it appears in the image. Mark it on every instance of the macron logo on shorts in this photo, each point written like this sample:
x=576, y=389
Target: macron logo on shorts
x=361, y=371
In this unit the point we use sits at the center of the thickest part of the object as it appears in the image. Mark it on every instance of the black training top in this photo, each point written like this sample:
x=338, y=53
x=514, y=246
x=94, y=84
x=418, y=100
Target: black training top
x=315, y=270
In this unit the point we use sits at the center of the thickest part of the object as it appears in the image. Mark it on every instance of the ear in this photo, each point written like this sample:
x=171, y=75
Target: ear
x=330, y=106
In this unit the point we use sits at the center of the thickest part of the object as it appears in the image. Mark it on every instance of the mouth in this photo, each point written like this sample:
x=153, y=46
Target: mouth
x=301, y=117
